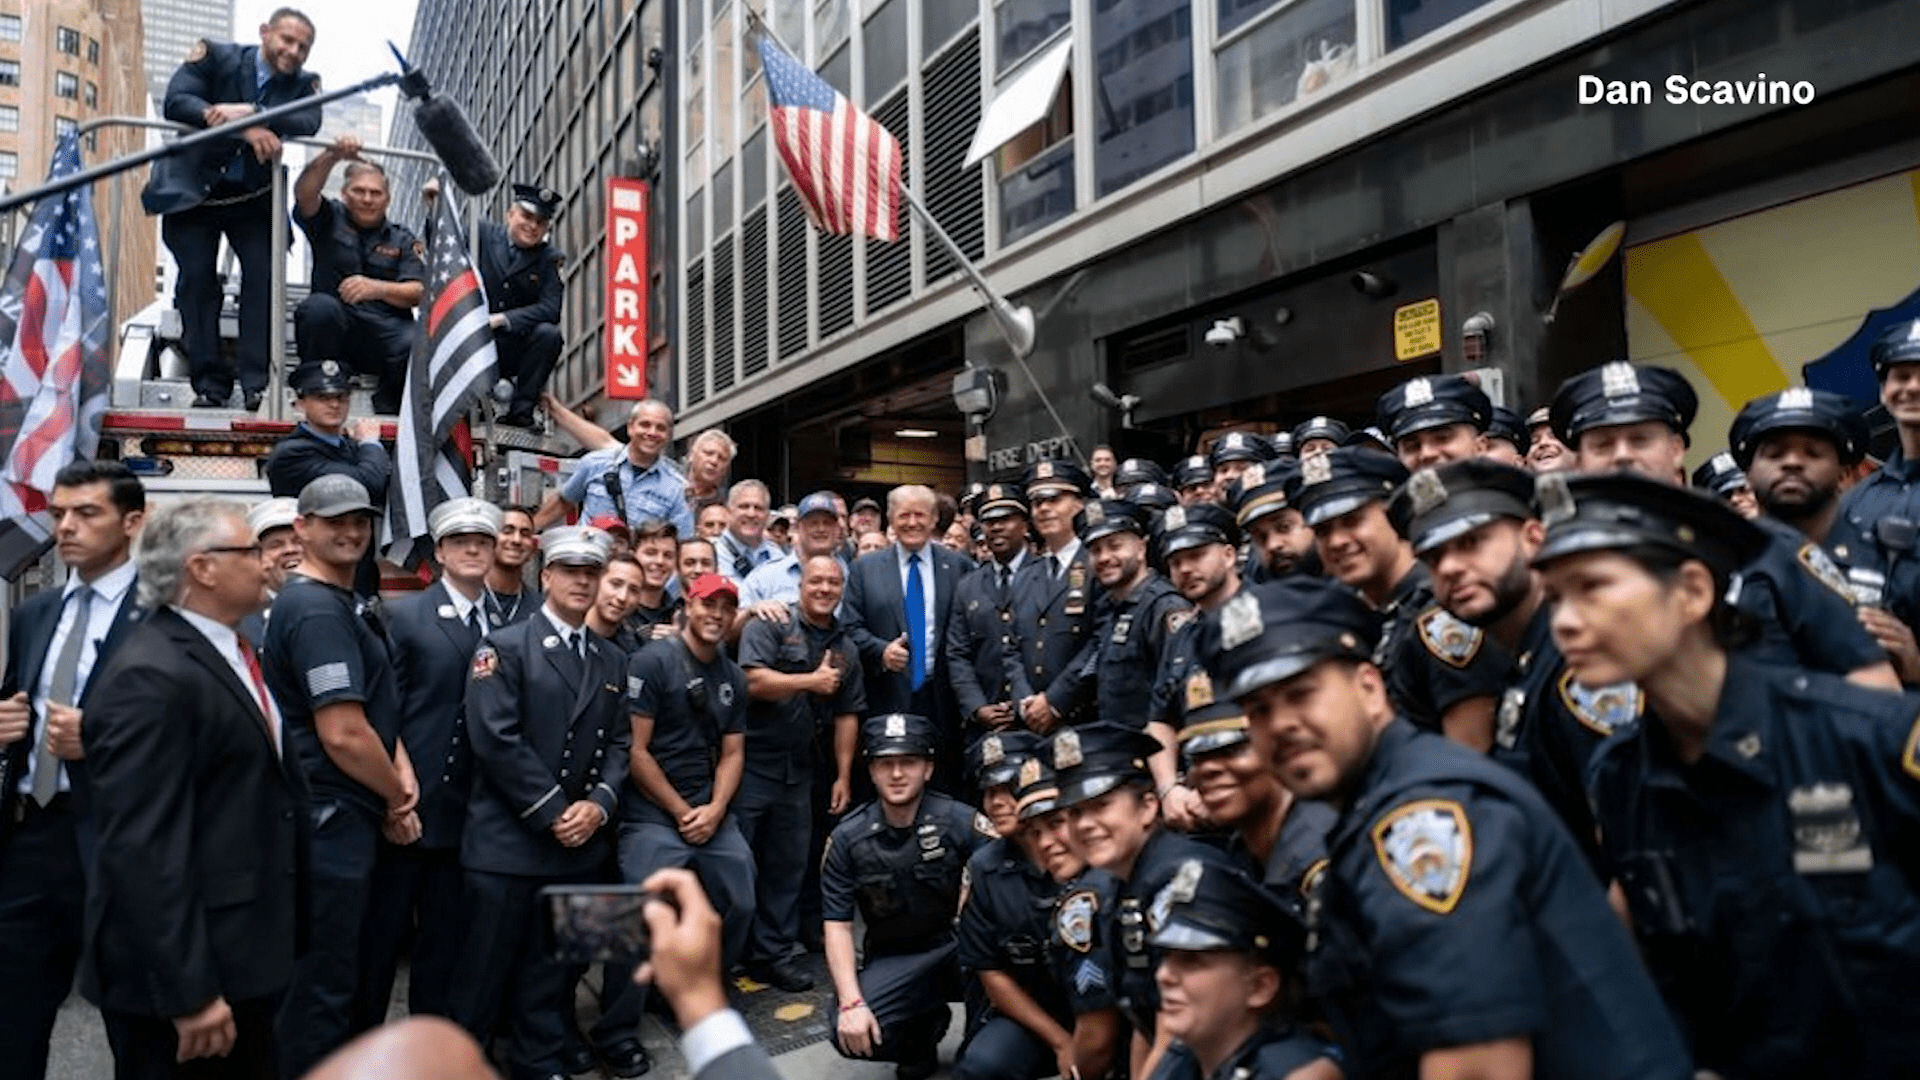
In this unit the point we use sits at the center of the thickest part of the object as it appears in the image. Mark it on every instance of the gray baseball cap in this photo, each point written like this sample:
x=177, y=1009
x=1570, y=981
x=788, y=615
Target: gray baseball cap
x=335, y=495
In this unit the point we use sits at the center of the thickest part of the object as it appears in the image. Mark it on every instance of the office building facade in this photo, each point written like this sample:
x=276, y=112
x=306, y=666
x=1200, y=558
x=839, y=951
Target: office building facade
x=173, y=27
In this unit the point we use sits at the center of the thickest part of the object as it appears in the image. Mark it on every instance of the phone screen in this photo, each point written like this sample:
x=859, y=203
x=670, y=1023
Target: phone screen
x=595, y=924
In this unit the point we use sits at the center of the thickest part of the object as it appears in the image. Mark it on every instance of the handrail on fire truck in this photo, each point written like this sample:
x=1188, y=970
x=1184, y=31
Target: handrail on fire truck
x=276, y=405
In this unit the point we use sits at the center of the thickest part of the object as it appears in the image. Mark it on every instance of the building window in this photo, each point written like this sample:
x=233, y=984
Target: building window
x=9, y=164
x=1021, y=26
x=1292, y=49
x=886, y=50
x=1036, y=171
x=66, y=84
x=10, y=28
x=9, y=73
x=830, y=26
x=9, y=118
x=1409, y=19
x=67, y=40
x=90, y=95
x=64, y=126
x=93, y=50
x=1143, y=63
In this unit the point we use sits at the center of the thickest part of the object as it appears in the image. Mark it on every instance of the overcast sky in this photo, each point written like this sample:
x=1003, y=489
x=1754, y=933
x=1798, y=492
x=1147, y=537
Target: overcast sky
x=350, y=38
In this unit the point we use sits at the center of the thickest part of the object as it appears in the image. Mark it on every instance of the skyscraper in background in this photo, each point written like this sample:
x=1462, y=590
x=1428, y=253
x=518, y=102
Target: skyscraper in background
x=172, y=28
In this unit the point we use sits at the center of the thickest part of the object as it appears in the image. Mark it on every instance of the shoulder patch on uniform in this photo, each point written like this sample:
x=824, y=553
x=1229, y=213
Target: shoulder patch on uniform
x=1073, y=920
x=485, y=662
x=1179, y=618
x=419, y=249
x=984, y=826
x=198, y=52
x=1910, y=758
x=1602, y=709
x=1818, y=563
x=1426, y=849
x=1450, y=639
x=1089, y=976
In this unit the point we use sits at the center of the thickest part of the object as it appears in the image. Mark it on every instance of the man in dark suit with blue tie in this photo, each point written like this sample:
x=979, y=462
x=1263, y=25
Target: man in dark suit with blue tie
x=224, y=188
x=898, y=601
x=190, y=912
x=416, y=887
x=58, y=638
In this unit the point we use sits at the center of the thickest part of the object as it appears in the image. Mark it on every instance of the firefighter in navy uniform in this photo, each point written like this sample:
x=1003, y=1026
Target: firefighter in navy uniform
x=1456, y=929
x=1053, y=604
x=980, y=629
x=1006, y=918
x=546, y=714
x=1214, y=924
x=1762, y=818
x=1634, y=417
x=521, y=272
x=897, y=861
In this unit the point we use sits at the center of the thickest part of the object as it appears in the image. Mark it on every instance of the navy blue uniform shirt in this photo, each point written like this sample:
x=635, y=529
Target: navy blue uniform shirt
x=780, y=734
x=693, y=705
x=904, y=882
x=321, y=650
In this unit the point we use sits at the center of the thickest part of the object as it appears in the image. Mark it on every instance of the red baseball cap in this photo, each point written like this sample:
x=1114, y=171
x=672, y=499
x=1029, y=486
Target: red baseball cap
x=711, y=584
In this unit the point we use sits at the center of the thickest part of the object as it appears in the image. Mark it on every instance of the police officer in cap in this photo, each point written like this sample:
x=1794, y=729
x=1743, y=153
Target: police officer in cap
x=1757, y=806
x=1200, y=547
x=1506, y=438
x=1319, y=433
x=1153, y=499
x=1456, y=930
x=1473, y=525
x=1137, y=614
x=544, y=710
x=1232, y=453
x=326, y=443
x=1279, y=542
x=434, y=633
x=1006, y=919
x=1053, y=604
x=980, y=628
x=1229, y=957
x=897, y=861
x=1722, y=477
x=1136, y=471
x=1634, y=417
x=1545, y=452
x=1280, y=445
x=1435, y=419
x=1874, y=529
x=521, y=271
x=1107, y=791
x=1192, y=478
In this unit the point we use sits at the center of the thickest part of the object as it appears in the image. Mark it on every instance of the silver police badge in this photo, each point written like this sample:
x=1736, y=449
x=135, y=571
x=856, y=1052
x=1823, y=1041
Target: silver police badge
x=1826, y=831
x=1255, y=475
x=1316, y=468
x=1175, y=517
x=1043, y=471
x=1066, y=749
x=1618, y=379
x=446, y=612
x=1506, y=723
x=1426, y=491
x=550, y=642
x=1240, y=621
x=1419, y=392
x=1096, y=514
x=330, y=368
x=1794, y=399
x=1030, y=772
x=726, y=694
x=991, y=752
x=1723, y=463
x=896, y=727
x=1555, y=499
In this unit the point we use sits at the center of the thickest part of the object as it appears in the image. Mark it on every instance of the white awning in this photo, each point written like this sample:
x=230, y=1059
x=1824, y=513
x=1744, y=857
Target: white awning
x=1023, y=102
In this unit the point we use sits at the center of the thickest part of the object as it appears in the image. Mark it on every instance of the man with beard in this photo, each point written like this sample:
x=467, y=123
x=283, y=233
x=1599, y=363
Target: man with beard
x=1436, y=419
x=1434, y=665
x=1053, y=600
x=1798, y=446
x=1278, y=540
x=1456, y=931
x=1623, y=417
x=1472, y=523
x=978, y=630
x=507, y=596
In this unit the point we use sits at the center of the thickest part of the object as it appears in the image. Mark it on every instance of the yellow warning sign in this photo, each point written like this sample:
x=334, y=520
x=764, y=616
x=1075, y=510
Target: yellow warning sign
x=1416, y=330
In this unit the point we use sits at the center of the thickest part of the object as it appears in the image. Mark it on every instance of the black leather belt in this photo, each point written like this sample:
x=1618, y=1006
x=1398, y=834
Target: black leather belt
x=25, y=809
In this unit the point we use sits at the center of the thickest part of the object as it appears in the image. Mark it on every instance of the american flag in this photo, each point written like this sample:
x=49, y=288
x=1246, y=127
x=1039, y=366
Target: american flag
x=453, y=362
x=844, y=165
x=55, y=322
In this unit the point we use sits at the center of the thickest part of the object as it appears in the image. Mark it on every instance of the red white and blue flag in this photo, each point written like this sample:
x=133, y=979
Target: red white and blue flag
x=55, y=327
x=845, y=166
x=453, y=363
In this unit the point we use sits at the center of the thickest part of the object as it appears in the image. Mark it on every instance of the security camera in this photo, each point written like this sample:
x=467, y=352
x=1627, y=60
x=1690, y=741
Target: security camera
x=1225, y=332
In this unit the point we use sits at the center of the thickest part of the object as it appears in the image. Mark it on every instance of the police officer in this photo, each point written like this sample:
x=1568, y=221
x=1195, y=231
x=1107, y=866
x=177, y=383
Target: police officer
x=1279, y=542
x=521, y=271
x=1545, y=452
x=1456, y=930
x=1135, y=471
x=327, y=661
x=1473, y=525
x=804, y=684
x=1199, y=546
x=544, y=711
x=1280, y=445
x=1434, y=419
x=223, y=189
x=1278, y=838
x=1759, y=817
x=980, y=628
x=1722, y=477
x=368, y=272
x=1107, y=792
x=1230, y=455
x=1192, y=477
x=1153, y=499
x=1623, y=416
x=1053, y=604
x=433, y=633
x=1434, y=663
x=1228, y=956
x=1137, y=614
x=1874, y=528
x=897, y=861
x=1506, y=437
x=325, y=442
x=1319, y=433
x=1006, y=919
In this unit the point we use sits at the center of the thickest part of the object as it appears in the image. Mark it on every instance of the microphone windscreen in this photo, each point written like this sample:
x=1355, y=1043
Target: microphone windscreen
x=457, y=145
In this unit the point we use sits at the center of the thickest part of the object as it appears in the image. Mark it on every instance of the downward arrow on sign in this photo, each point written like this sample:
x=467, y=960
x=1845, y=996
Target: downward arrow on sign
x=626, y=375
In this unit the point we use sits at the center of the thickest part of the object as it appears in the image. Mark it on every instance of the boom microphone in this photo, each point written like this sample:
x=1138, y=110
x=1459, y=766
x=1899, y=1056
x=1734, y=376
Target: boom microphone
x=456, y=144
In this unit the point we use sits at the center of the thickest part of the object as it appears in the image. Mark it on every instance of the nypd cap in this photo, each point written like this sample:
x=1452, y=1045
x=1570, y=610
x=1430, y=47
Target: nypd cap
x=1190, y=471
x=539, y=201
x=1238, y=446
x=321, y=377
x=269, y=514
x=1153, y=498
x=1369, y=438
x=1271, y=632
x=1799, y=408
x=1209, y=906
x=1898, y=344
x=1137, y=470
x=464, y=516
x=1281, y=443
x=1505, y=423
x=1321, y=427
x=1720, y=475
x=1619, y=393
x=898, y=735
x=1055, y=477
x=1262, y=490
x=1436, y=505
x=995, y=759
x=335, y=495
x=1184, y=527
x=1036, y=790
x=1432, y=401
x=1209, y=724
x=970, y=497
x=1000, y=500
x=1093, y=759
x=1609, y=511
x=1104, y=517
x=1341, y=481
x=575, y=545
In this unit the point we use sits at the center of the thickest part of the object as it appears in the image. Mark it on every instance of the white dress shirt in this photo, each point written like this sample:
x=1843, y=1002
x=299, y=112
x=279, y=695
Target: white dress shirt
x=109, y=589
x=226, y=642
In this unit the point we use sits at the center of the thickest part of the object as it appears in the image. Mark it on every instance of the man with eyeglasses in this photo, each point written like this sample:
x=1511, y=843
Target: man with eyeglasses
x=327, y=662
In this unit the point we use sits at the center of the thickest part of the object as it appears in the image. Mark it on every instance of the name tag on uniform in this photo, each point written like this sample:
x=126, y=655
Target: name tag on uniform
x=386, y=251
x=1826, y=831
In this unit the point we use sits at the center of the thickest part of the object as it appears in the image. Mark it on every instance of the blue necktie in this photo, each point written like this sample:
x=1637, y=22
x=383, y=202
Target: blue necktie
x=916, y=623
